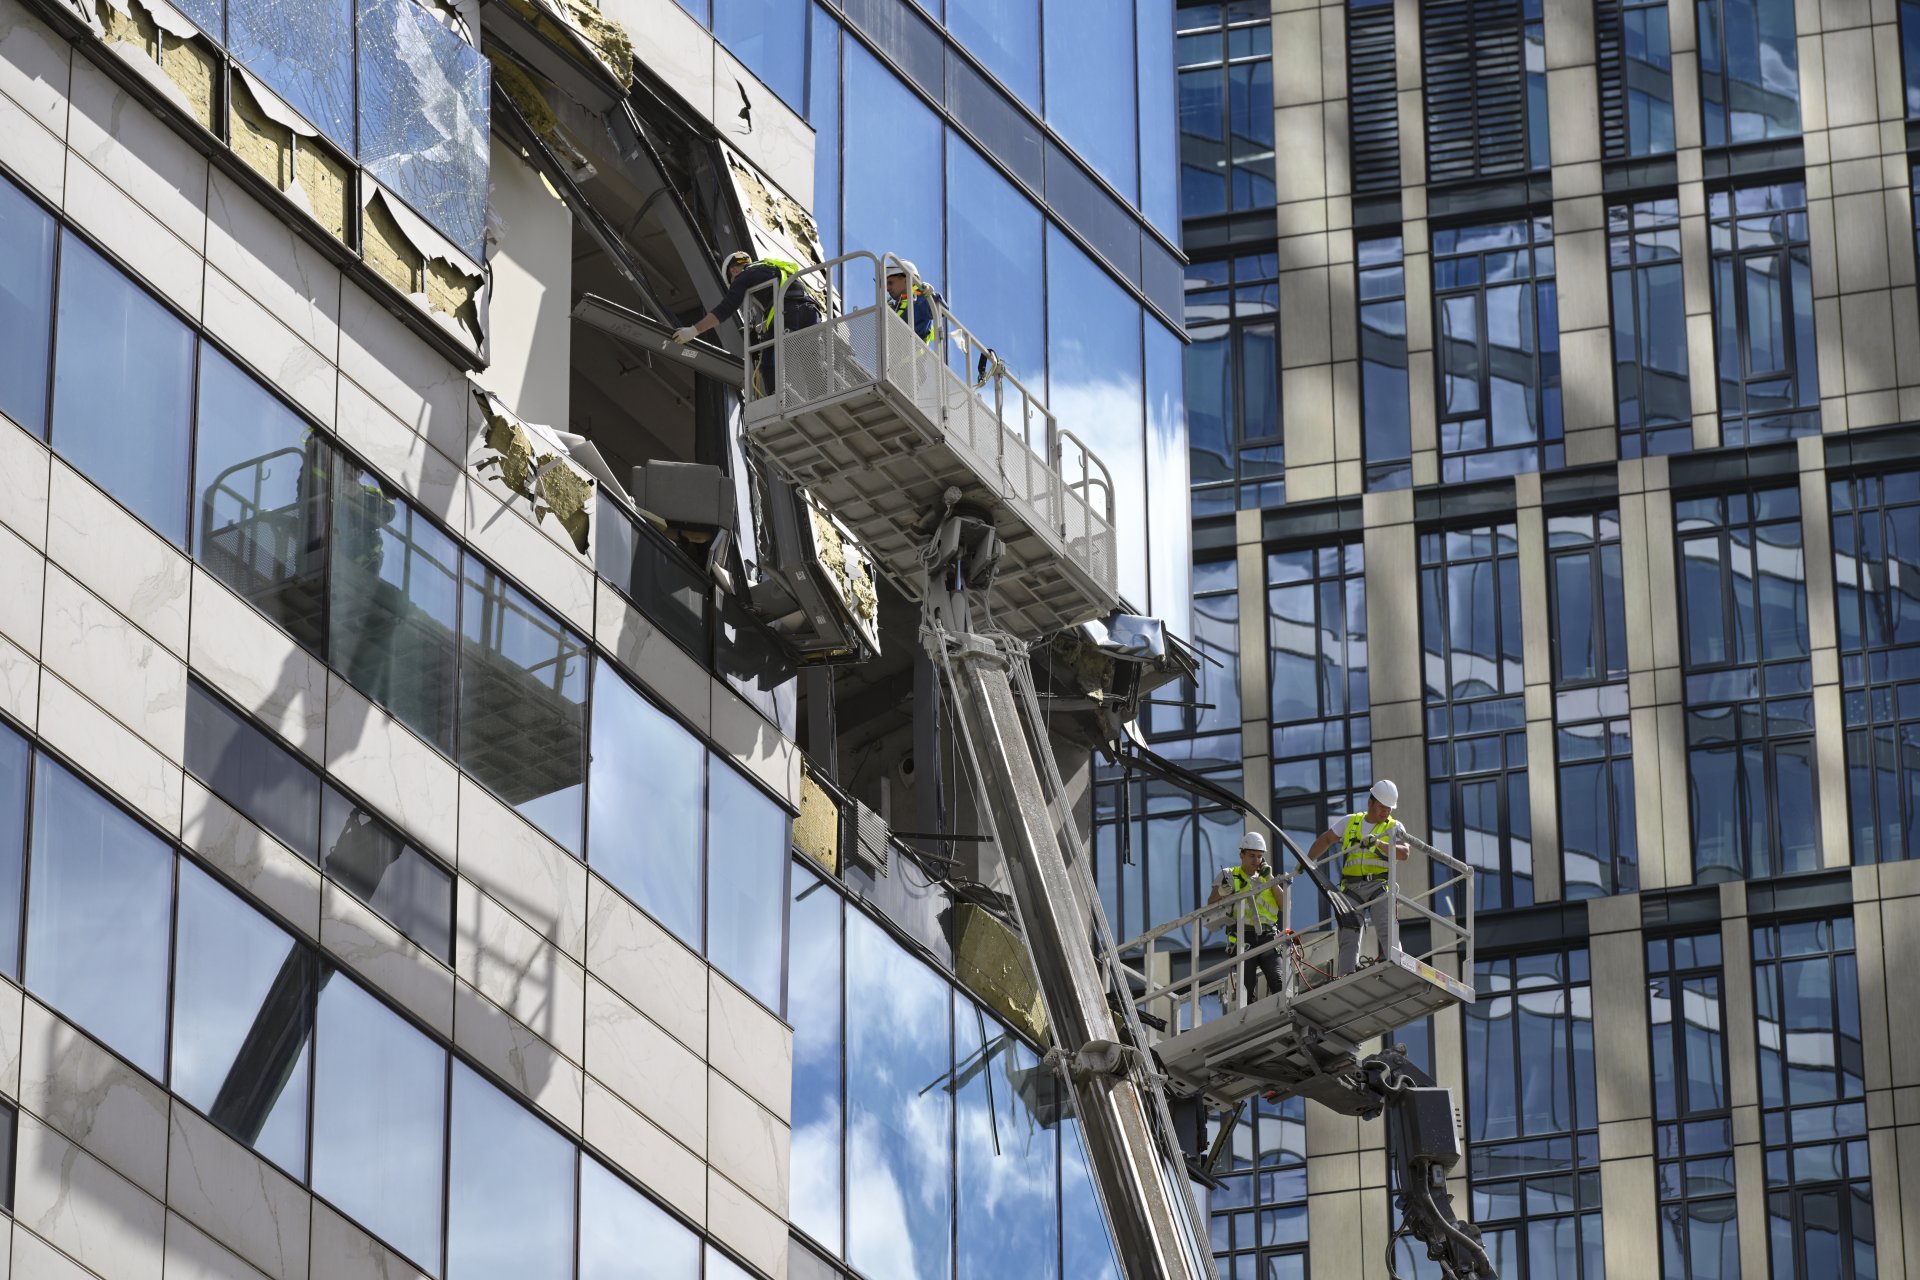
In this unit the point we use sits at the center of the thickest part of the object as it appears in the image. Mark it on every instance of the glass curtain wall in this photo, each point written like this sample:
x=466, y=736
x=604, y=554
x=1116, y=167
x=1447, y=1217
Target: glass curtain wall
x=1385, y=407
x=1749, y=70
x=1234, y=433
x=1259, y=1221
x=1649, y=329
x=1693, y=1115
x=1225, y=54
x=1876, y=578
x=1763, y=313
x=1748, y=684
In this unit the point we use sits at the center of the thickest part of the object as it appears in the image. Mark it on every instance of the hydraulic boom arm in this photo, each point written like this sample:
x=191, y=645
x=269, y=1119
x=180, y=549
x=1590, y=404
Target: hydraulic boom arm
x=1423, y=1145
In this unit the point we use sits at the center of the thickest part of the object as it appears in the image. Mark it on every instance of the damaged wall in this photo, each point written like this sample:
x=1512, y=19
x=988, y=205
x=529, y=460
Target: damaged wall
x=532, y=293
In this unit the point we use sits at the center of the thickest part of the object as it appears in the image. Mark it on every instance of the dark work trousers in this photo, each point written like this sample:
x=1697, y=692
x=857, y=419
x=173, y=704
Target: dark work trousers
x=801, y=314
x=1267, y=963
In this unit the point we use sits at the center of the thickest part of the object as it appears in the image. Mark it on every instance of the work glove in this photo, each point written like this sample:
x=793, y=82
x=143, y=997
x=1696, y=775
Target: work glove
x=684, y=334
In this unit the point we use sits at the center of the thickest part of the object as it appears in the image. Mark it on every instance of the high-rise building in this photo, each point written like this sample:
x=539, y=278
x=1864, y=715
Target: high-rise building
x=1551, y=394
x=421, y=842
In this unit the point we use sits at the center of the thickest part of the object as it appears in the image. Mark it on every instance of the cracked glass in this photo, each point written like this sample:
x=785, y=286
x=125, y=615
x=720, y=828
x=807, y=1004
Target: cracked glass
x=303, y=51
x=423, y=117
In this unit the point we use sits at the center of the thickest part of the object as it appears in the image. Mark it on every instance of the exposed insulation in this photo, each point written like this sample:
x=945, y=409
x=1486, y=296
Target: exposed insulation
x=550, y=482
x=816, y=832
x=323, y=179
x=993, y=962
x=572, y=23
x=194, y=67
x=134, y=26
x=453, y=292
x=783, y=217
x=388, y=251
x=854, y=575
x=509, y=79
x=265, y=146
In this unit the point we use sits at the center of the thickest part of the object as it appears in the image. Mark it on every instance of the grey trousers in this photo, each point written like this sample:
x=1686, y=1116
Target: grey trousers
x=1370, y=899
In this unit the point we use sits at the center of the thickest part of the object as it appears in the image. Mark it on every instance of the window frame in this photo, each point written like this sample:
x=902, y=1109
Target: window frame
x=1727, y=258
x=1642, y=439
x=1684, y=1140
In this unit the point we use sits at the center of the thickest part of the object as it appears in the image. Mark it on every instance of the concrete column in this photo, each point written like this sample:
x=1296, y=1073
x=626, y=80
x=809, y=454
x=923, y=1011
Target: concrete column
x=1859, y=213
x=1416, y=244
x=1580, y=235
x=1255, y=698
x=1830, y=730
x=1623, y=1072
x=1654, y=685
x=1543, y=775
x=1393, y=652
x=1319, y=322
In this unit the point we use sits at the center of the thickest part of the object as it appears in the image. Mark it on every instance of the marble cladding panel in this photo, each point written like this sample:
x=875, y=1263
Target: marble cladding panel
x=93, y=1098
x=517, y=969
x=399, y=370
x=120, y=761
x=85, y=1209
x=118, y=558
x=667, y=670
x=351, y=932
x=515, y=864
x=35, y=1259
x=237, y=1197
x=747, y=1143
x=19, y=684
x=655, y=972
x=277, y=353
x=659, y=1076
x=169, y=265
x=117, y=666
x=35, y=67
x=24, y=476
x=750, y=1046
x=23, y=569
x=646, y=1151
x=256, y=664
x=273, y=264
x=192, y=1254
x=394, y=771
x=534, y=1068
x=342, y=1251
x=399, y=453
x=273, y=874
x=128, y=144
x=746, y=1226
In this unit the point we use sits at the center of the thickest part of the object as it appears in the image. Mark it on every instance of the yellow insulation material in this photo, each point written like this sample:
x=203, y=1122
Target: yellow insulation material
x=816, y=831
x=992, y=961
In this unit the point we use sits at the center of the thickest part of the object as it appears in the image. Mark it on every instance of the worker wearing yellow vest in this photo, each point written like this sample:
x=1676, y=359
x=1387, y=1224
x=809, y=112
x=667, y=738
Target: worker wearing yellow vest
x=1365, y=840
x=902, y=280
x=802, y=309
x=1256, y=920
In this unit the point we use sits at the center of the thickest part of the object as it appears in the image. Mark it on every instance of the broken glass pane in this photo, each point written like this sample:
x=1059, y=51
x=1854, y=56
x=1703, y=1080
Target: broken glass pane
x=208, y=15
x=303, y=51
x=423, y=117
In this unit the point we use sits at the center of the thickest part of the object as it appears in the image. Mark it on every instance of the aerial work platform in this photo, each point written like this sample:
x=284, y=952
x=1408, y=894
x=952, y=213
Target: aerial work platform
x=885, y=432
x=1305, y=1038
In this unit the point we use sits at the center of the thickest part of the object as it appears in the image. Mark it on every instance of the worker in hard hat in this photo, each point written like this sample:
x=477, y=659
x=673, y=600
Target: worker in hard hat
x=744, y=273
x=911, y=298
x=1364, y=840
x=1256, y=920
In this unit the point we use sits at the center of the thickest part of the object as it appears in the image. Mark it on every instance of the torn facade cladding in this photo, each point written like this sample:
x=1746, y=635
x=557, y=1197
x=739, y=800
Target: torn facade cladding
x=419, y=124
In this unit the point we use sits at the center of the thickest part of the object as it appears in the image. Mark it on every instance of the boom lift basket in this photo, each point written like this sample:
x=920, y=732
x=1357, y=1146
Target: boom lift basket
x=888, y=432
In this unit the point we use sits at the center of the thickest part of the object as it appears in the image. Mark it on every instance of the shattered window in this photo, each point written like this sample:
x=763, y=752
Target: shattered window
x=303, y=51
x=423, y=117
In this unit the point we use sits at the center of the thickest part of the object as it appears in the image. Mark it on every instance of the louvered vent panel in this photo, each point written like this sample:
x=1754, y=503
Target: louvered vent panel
x=1476, y=89
x=1373, y=98
x=1610, y=41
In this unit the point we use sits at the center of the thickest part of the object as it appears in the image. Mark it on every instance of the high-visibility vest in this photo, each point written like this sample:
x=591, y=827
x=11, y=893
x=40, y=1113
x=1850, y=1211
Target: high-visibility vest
x=903, y=305
x=1266, y=912
x=1366, y=850
x=787, y=270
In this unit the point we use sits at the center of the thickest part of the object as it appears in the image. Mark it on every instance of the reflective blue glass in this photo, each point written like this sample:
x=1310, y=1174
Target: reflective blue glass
x=304, y=53
x=899, y=1111
x=1749, y=70
x=1005, y=36
x=393, y=604
x=259, y=499
x=1385, y=407
x=995, y=243
x=242, y=1020
x=1649, y=329
x=1648, y=77
x=747, y=895
x=648, y=821
x=424, y=117
x=250, y=771
x=721, y=1267
x=15, y=761
x=770, y=36
x=27, y=234
x=123, y=389
x=1204, y=171
x=1091, y=88
x=823, y=113
x=99, y=904
x=1094, y=388
x=893, y=192
x=1910, y=53
x=814, y=1010
x=1086, y=1245
x=509, y=1189
x=1008, y=1204
x=625, y=1236
x=1159, y=110
x=379, y=1119
x=523, y=704
x=210, y=15
x=1763, y=311
x=374, y=862
x=1169, y=538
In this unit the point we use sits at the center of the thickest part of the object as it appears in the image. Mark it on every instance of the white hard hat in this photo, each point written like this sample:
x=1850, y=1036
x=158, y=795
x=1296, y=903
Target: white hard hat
x=1386, y=793
x=1253, y=840
x=902, y=267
